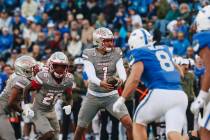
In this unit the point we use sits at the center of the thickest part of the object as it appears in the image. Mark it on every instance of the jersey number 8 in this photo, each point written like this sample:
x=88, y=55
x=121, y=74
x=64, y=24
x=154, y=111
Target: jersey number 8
x=165, y=61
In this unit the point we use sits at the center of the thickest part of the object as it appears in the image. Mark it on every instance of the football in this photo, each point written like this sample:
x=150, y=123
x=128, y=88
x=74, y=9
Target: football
x=113, y=81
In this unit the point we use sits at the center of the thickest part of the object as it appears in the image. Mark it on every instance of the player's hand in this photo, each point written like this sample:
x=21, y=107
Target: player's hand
x=118, y=104
x=119, y=82
x=105, y=85
x=196, y=105
x=199, y=102
x=67, y=109
x=28, y=112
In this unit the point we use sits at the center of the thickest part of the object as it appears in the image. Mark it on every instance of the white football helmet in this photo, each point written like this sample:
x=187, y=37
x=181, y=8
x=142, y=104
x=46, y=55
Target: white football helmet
x=140, y=38
x=101, y=34
x=58, y=58
x=202, y=19
x=78, y=61
x=25, y=66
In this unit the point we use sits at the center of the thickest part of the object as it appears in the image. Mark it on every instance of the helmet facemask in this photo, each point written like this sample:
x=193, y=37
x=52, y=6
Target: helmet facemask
x=28, y=73
x=58, y=64
x=58, y=70
x=107, y=44
x=104, y=39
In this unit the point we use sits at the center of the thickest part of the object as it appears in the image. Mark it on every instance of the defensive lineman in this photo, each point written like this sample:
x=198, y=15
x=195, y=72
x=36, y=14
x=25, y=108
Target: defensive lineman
x=154, y=66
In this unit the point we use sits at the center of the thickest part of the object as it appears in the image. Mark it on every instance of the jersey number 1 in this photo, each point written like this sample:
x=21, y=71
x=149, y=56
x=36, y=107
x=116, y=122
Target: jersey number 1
x=105, y=69
x=165, y=61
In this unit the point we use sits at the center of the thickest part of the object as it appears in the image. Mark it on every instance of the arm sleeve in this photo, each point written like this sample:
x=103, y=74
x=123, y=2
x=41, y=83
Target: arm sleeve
x=91, y=73
x=84, y=76
x=121, y=70
x=37, y=81
x=39, y=78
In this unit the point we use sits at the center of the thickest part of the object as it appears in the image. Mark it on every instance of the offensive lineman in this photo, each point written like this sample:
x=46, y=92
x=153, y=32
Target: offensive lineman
x=100, y=63
x=154, y=66
x=201, y=41
x=14, y=92
x=50, y=85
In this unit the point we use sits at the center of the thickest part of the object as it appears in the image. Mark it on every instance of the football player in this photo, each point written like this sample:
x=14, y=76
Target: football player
x=100, y=63
x=50, y=85
x=201, y=43
x=13, y=94
x=154, y=66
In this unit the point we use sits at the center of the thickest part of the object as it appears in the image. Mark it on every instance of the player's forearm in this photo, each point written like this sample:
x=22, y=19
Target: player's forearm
x=133, y=79
x=130, y=86
x=68, y=101
x=90, y=70
x=206, y=80
x=205, y=85
x=121, y=70
x=68, y=96
x=16, y=107
x=12, y=101
x=95, y=80
x=13, y=106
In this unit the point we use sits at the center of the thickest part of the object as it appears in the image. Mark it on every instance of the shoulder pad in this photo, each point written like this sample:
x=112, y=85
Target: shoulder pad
x=42, y=76
x=87, y=53
x=22, y=82
x=118, y=51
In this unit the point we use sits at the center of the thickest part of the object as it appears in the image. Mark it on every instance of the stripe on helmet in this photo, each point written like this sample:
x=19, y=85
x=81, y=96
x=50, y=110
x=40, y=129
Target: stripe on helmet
x=145, y=36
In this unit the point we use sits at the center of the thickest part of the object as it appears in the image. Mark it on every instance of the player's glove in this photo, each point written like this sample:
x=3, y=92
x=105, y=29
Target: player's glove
x=115, y=82
x=199, y=102
x=118, y=104
x=27, y=111
x=67, y=109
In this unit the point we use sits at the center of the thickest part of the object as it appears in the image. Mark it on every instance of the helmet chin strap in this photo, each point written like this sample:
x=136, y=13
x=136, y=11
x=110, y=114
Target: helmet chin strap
x=58, y=75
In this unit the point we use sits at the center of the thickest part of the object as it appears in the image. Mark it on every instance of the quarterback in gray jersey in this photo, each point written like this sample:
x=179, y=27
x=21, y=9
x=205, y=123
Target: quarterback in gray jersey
x=51, y=85
x=13, y=94
x=101, y=63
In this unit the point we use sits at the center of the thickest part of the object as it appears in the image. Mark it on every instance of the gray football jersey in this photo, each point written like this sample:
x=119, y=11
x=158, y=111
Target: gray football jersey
x=50, y=91
x=14, y=80
x=105, y=65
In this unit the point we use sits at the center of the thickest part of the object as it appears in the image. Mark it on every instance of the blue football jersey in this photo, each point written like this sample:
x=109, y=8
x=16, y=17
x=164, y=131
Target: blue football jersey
x=201, y=40
x=159, y=70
